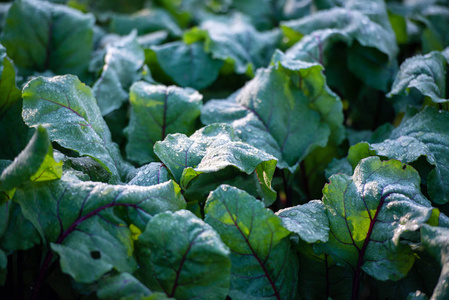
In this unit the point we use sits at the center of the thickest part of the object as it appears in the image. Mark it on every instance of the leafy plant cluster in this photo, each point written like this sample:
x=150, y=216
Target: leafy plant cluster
x=173, y=149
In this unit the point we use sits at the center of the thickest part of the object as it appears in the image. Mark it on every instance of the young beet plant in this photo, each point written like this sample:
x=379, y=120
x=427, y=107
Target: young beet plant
x=173, y=151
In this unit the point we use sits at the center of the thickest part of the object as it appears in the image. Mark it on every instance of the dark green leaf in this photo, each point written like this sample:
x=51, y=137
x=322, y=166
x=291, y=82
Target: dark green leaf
x=369, y=212
x=436, y=241
x=188, y=65
x=148, y=175
x=68, y=110
x=212, y=149
x=235, y=41
x=157, y=111
x=188, y=257
x=287, y=110
x=122, y=63
x=120, y=286
x=263, y=263
x=83, y=224
x=425, y=73
x=41, y=36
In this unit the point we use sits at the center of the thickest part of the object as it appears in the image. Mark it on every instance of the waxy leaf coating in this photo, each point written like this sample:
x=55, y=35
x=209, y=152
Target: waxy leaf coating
x=426, y=73
x=68, y=110
x=263, y=263
x=81, y=221
x=287, y=110
x=309, y=221
x=157, y=111
x=212, y=149
x=148, y=175
x=368, y=213
x=189, y=259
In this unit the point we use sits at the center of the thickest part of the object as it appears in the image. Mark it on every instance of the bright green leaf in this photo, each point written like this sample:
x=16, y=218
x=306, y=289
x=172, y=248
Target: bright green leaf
x=263, y=263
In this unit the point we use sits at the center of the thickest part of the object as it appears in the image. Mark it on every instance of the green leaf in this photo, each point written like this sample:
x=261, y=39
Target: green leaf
x=91, y=226
x=188, y=257
x=157, y=111
x=120, y=286
x=144, y=21
x=41, y=36
x=364, y=27
x=188, y=65
x=369, y=213
x=3, y=265
x=436, y=241
x=68, y=110
x=236, y=41
x=309, y=221
x=287, y=110
x=122, y=63
x=263, y=263
x=429, y=127
x=148, y=175
x=212, y=149
x=9, y=93
x=426, y=73
x=34, y=163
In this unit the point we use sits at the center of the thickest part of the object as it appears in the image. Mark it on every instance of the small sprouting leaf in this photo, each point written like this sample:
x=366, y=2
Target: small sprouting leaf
x=211, y=150
x=40, y=36
x=123, y=60
x=263, y=263
x=426, y=73
x=187, y=256
x=309, y=221
x=436, y=241
x=157, y=111
x=67, y=109
x=287, y=110
x=368, y=213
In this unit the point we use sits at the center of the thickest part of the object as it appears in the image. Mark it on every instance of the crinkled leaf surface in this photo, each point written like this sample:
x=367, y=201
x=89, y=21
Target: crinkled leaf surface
x=309, y=221
x=157, y=111
x=212, y=149
x=426, y=73
x=369, y=212
x=34, y=163
x=287, y=110
x=263, y=263
x=9, y=93
x=82, y=221
x=436, y=241
x=429, y=127
x=40, y=36
x=122, y=63
x=148, y=175
x=189, y=259
x=236, y=41
x=188, y=65
x=68, y=110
